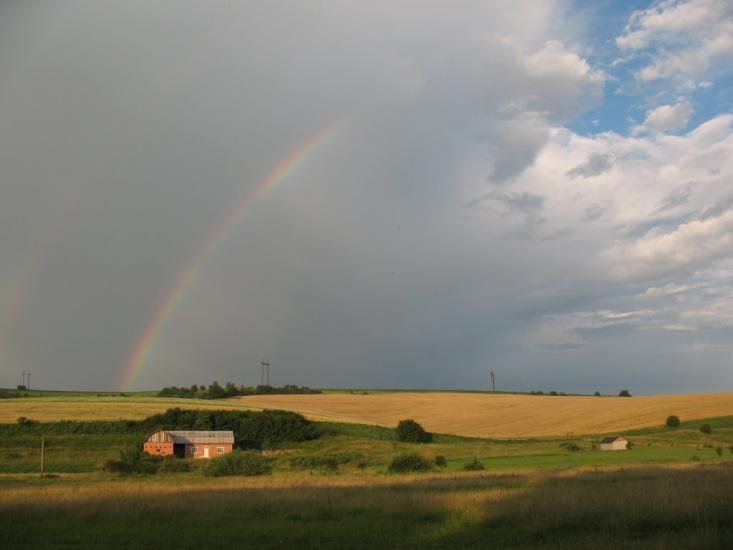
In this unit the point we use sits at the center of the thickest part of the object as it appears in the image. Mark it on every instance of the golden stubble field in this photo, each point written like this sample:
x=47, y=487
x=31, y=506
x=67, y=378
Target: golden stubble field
x=470, y=414
x=501, y=416
x=52, y=409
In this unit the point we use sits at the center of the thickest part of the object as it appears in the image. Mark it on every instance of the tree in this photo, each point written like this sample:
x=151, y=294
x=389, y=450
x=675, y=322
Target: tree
x=706, y=429
x=673, y=421
x=597, y=394
x=624, y=393
x=410, y=431
x=216, y=391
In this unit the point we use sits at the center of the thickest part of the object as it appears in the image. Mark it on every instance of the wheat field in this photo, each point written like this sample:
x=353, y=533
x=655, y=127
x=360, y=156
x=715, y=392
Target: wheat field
x=501, y=415
x=53, y=409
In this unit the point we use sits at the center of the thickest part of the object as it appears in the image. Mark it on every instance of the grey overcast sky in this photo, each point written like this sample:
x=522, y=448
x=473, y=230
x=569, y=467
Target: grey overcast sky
x=544, y=191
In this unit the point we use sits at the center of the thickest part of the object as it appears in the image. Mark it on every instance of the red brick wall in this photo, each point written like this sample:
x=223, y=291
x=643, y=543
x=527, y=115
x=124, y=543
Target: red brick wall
x=213, y=450
x=158, y=449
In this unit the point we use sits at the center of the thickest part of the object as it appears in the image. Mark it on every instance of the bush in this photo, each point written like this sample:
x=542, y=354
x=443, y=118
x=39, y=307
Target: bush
x=134, y=462
x=673, y=421
x=706, y=429
x=411, y=462
x=238, y=463
x=26, y=422
x=719, y=451
x=624, y=393
x=410, y=431
x=440, y=461
x=553, y=392
x=570, y=446
x=474, y=466
x=597, y=394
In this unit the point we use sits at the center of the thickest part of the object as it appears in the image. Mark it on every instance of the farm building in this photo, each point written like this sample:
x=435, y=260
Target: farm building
x=189, y=444
x=614, y=443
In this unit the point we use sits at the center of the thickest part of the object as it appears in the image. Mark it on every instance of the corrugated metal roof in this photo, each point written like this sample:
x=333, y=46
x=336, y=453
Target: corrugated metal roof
x=611, y=438
x=193, y=436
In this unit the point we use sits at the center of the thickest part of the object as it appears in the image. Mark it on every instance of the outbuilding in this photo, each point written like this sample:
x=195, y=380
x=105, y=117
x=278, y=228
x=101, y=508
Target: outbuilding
x=189, y=443
x=614, y=443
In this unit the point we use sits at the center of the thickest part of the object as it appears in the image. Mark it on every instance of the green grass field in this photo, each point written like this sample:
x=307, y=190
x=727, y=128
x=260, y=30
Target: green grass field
x=669, y=491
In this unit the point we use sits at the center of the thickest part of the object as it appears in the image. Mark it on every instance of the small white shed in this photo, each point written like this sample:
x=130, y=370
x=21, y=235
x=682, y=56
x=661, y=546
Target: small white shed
x=614, y=443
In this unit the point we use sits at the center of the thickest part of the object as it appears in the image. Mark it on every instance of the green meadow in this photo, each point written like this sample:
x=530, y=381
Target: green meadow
x=670, y=490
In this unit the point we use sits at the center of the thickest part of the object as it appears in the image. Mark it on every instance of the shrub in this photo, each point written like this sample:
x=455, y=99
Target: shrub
x=570, y=446
x=719, y=451
x=474, y=466
x=411, y=462
x=706, y=429
x=695, y=458
x=238, y=463
x=624, y=393
x=673, y=421
x=410, y=431
x=135, y=462
x=597, y=394
x=26, y=422
x=553, y=392
x=440, y=461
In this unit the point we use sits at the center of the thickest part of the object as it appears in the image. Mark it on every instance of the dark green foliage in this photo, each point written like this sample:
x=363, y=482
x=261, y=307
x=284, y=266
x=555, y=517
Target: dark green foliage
x=238, y=463
x=272, y=427
x=410, y=431
x=215, y=391
x=440, y=461
x=673, y=421
x=719, y=451
x=553, y=392
x=134, y=462
x=5, y=394
x=474, y=466
x=695, y=458
x=26, y=422
x=411, y=462
x=570, y=446
x=597, y=394
x=624, y=393
x=706, y=429
x=252, y=429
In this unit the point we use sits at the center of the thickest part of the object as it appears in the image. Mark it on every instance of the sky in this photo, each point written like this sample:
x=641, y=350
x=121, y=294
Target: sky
x=464, y=186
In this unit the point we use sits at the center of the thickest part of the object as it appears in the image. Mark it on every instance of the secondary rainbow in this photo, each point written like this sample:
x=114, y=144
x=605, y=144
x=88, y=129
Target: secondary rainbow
x=187, y=275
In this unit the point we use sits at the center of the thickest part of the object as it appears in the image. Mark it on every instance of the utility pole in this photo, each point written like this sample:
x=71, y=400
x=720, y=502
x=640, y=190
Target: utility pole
x=264, y=367
x=493, y=382
x=23, y=375
x=28, y=386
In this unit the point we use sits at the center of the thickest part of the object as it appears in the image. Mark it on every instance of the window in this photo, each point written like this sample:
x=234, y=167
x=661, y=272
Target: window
x=193, y=450
x=220, y=450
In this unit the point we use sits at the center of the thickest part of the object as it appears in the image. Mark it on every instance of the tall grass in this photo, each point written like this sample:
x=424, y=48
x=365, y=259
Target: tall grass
x=672, y=508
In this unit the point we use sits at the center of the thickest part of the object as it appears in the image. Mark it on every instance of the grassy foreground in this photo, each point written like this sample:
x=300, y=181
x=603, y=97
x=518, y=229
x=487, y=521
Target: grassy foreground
x=661, y=508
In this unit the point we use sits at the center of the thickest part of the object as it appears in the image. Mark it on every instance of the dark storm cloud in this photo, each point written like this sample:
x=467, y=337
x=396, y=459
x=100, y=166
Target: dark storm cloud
x=129, y=129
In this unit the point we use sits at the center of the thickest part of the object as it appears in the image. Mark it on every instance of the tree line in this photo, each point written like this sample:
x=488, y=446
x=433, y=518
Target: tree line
x=216, y=391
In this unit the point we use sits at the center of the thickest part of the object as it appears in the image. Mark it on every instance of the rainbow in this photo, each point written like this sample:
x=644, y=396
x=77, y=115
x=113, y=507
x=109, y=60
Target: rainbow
x=188, y=273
